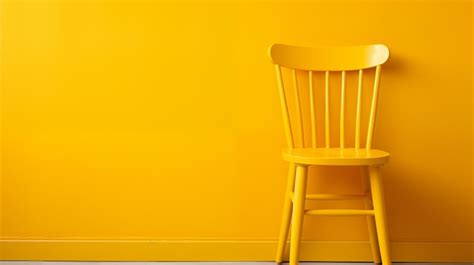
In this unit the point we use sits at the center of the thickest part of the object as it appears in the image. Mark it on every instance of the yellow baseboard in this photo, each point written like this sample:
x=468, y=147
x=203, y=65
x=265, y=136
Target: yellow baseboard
x=191, y=250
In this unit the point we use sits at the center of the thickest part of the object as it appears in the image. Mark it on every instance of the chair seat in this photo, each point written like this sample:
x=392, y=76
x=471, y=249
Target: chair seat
x=335, y=156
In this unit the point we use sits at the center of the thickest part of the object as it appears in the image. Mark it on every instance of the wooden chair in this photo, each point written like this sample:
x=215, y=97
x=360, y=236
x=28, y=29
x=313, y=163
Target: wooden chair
x=328, y=61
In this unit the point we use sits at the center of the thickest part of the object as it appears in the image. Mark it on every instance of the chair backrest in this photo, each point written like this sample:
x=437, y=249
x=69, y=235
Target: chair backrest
x=326, y=62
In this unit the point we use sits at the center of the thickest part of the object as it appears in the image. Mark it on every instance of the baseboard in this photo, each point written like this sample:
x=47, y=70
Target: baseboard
x=208, y=250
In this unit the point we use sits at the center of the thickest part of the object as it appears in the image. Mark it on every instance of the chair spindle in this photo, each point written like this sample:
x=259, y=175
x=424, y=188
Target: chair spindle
x=284, y=108
x=298, y=108
x=373, y=108
x=326, y=112
x=341, y=119
x=358, y=110
x=314, y=141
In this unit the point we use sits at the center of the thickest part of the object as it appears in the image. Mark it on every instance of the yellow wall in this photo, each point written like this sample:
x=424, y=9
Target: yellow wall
x=157, y=120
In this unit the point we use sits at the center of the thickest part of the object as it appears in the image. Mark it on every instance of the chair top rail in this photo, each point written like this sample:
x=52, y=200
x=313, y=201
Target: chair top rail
x=335, y=58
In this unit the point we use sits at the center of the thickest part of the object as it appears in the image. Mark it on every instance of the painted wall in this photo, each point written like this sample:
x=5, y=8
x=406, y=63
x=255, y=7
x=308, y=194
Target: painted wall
x=159, y=120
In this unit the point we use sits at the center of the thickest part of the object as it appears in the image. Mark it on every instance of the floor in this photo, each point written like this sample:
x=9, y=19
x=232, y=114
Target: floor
x=195, y=263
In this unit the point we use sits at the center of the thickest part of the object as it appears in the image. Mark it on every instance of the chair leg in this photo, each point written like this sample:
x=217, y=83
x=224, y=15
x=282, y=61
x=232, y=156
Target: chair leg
x=379, y=209
x=298, y=213
x=285, y=220
x=374, y=244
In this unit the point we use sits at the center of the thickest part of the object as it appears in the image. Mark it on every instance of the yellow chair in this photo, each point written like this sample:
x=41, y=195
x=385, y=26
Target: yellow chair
x=329, y=61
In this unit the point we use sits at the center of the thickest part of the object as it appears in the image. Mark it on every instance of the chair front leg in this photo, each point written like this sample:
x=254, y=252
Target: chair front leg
x=298, y=212
x=379, y=210
x=374, y=244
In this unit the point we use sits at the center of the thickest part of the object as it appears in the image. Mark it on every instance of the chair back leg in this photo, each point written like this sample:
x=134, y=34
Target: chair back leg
x=285, y=220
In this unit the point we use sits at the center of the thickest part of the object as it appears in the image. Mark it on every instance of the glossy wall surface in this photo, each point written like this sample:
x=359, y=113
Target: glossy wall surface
x=159, y=120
